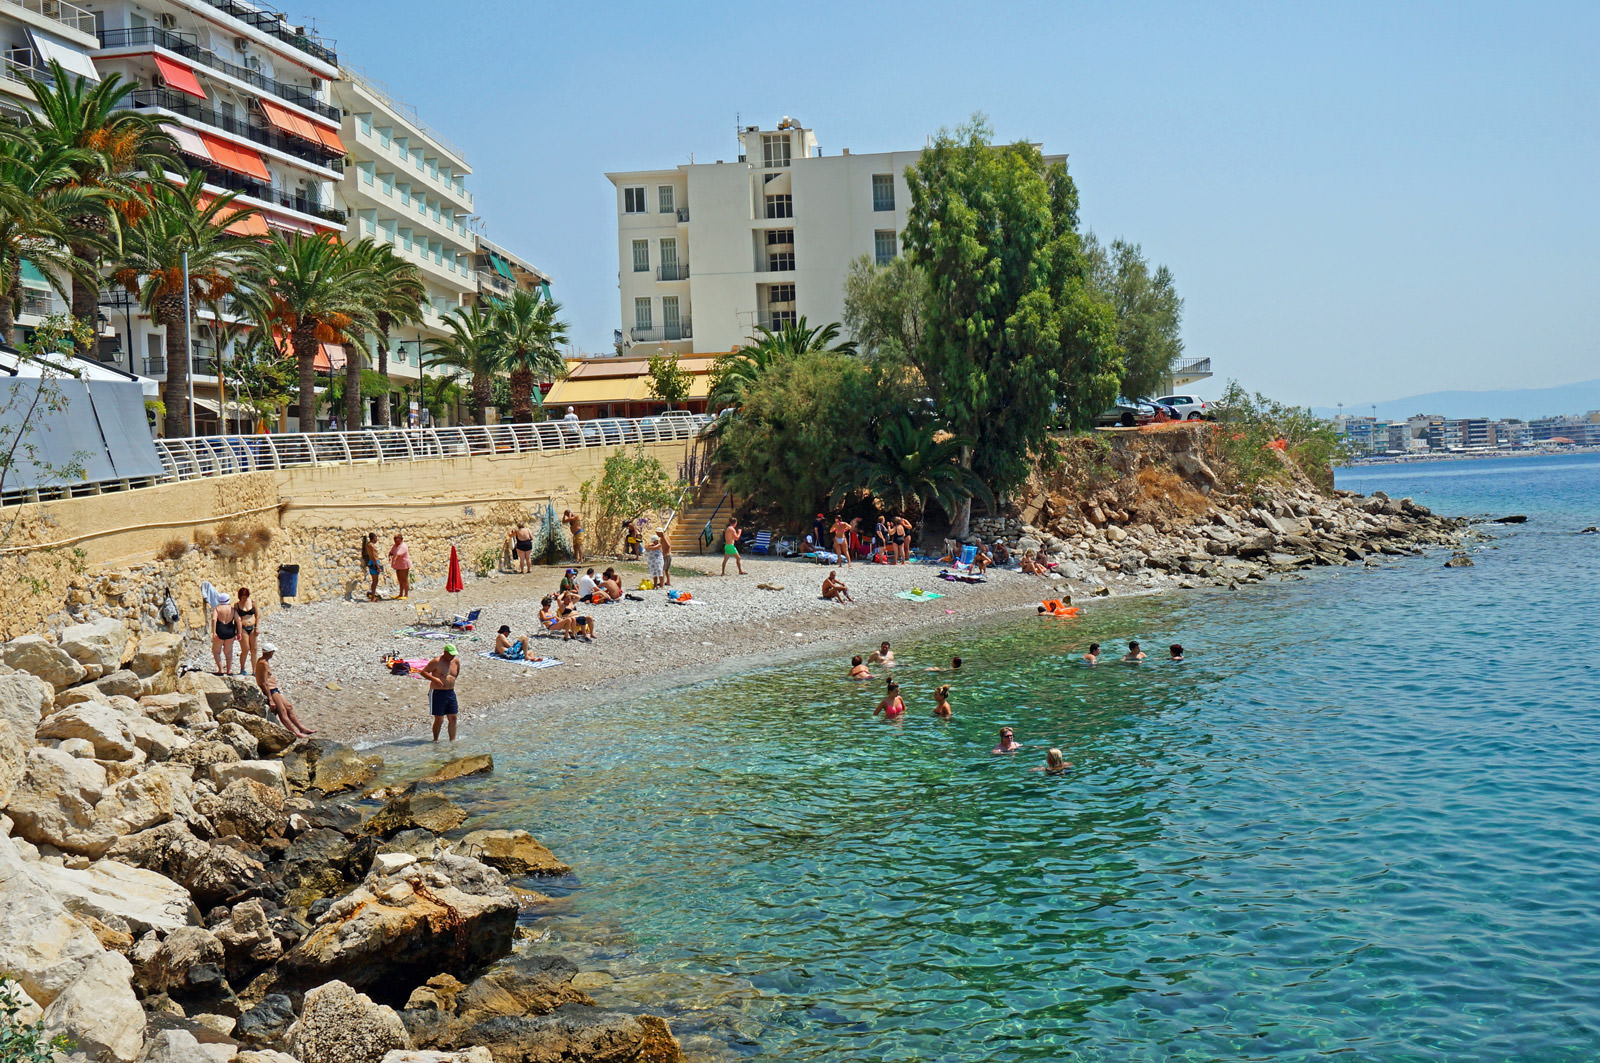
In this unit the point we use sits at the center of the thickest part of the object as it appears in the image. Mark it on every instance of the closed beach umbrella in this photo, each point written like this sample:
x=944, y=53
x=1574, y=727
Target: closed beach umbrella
x=452, y=582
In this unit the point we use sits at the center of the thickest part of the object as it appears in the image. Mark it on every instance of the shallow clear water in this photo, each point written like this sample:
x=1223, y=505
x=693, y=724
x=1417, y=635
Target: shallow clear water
x=1362, y=820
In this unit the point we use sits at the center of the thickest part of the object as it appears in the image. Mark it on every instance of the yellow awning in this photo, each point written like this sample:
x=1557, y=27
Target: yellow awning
x=578, y=392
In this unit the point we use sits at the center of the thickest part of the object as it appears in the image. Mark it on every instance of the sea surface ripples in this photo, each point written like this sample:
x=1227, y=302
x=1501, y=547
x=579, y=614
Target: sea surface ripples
x=1361, y=821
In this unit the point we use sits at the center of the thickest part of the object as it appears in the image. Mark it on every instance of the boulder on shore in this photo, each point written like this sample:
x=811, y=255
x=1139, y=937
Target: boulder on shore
x=100, y=1012
x=339, y=1025
x=38, y=656
x=515, y=852
x=97, y=645
x=24, y=699
x=42, y=945
x=460, y=768
x=114, y=892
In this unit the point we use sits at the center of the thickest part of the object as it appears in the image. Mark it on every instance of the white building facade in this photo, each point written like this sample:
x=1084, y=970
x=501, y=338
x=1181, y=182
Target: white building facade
x=707, y=252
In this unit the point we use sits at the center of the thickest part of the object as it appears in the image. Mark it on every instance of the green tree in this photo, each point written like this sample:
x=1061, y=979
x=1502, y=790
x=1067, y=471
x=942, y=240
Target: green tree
x=905, y=464
x=631, y=482
x=115, y=151
x=469, y=350
x=884, y=307
x=259, y=374
x=395, y=298
x=733, y=373
x=1014, y=335
x=181, y=218
x=525, y=335
x=316, y=290
x=668, y=381
x=1247, y=424
x=1149, y=313
x=35, y=205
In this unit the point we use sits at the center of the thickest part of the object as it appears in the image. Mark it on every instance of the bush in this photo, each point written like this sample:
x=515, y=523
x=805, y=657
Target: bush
x=235, y=540
x=487, y=562
x=22, y=1042
x=172, y=549
x=1249, y=424
x=631, y=483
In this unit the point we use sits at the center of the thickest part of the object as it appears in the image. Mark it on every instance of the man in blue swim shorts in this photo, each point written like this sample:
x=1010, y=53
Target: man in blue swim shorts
x=441, y=674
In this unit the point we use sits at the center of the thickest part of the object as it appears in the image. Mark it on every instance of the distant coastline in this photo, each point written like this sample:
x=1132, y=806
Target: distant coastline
x=1466, y=455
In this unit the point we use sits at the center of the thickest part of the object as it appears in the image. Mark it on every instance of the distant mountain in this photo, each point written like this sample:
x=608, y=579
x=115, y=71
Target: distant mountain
x=1523, y=404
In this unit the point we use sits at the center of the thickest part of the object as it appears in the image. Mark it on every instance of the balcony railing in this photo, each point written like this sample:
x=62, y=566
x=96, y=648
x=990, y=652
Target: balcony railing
x=216, y=175
x=1194, y=368
x=189, y=107
x=684, y=331
x=155, y=366
x=18, y=64
x=184, y=45
x=64, y=13
x=680, y=272
x=273, y=24
x=683, y=214
x=41, y=302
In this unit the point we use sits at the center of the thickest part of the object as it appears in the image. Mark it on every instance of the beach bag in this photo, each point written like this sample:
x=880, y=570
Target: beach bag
x=169, y=611
x=647, y=585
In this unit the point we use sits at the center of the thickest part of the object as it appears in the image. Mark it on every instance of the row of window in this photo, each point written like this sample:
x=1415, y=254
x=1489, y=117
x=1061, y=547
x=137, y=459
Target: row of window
x=634, y=200
x=671, y=316
x=669, y=258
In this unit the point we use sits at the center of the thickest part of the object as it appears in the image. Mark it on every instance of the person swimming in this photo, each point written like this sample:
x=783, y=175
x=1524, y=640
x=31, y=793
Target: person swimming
x=1175, y=652
x=882, y=655
x=1054, y=764
x=1008, y=742
x=1093, y=656
x=1134, y=654
x=941, y=702
x=858, y=670
x=891, y=706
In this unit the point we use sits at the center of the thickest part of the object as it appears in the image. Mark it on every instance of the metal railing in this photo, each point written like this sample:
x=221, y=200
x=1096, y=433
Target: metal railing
x=155, y=366
x=202, y=456
x=216, y=175
x=64, y=13
x=185, y=45
x=683, y=214
x=684, y=331
x=678, y=272
x=1192, y=367
x=178, y=103
x=274, y=24
x=18, y=65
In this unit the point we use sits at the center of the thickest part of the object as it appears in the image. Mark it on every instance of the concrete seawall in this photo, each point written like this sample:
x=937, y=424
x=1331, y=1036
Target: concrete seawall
x=116, y=554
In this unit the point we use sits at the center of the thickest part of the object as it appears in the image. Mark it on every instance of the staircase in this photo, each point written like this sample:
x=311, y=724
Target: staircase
x=687, y=526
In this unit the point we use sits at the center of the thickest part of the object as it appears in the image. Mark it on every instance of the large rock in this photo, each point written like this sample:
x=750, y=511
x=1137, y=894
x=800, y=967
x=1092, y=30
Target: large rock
x=54, y=804
x=515, y=852
x=238, y=739
x=430, y=811
x=24, y=699
x=121, y=683
x=271, y=737
x=573, y=1032
x=392, y=932
x=181, y=1046
x=136, y=804
x=265, y=772
x=13, y=760
x=155, y=740
x=98, y=645
x=211, y=873
x=216, y=690
x=99, y=1011
x=319, y=862
x=184, y=710
x=248, y=940
x=338, y=768
x=521, y=985
x=460, y=768
x=248, y=810
x=267, y=1023
x=155, y=661
x=339, y=1025
x=113, y=892
x=38, y=656
x=42, y=945
x=100, y=725
x=203, y=755
x=169, y=964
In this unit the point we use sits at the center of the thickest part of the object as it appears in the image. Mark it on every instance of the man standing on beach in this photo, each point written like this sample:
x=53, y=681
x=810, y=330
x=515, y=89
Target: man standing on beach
x=441, y=674
x=574, y=523
x=730, y=545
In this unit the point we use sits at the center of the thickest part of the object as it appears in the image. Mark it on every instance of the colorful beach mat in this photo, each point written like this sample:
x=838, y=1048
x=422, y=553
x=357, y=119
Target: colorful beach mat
x=918, y=595
x=548, y=662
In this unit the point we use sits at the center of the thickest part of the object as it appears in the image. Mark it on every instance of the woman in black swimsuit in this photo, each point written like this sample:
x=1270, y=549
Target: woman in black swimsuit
x=245, y=610
x=224, y=633
x=522, y=545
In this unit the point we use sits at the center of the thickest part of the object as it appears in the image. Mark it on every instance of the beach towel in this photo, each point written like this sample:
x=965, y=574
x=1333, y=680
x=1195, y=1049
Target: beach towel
x=416, y=664
x=919, y=595
x=961, y=577
x=548, y=662
x=210, y=594
x=429, y=633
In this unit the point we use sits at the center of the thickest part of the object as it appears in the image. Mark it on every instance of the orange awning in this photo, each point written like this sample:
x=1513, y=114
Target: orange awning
x=250, y=225
x=236, y=158
x=178, y=76
x=287, y=121
x=329, y=358
x=330, y=139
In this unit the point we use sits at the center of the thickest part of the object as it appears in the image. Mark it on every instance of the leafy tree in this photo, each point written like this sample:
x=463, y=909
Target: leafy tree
x=631, y=483
x=395, y=298
x=35, y=205
x=259, y=373
x=1149, y=313
x=373, y=384
x=525, y=335
x=115, y=151
x=1012, y=330
x=906, y=464
x=469, y=350
x=183, y=218
x=733, y=373
x=668, y=381
x=884, y=307
x=1248, y=424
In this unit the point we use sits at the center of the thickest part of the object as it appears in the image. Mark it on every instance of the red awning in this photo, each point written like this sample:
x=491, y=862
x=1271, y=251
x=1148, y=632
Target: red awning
x=178, y=76
x=329, y=358
x=287, y=121
x=236, y=158
x=250, y=225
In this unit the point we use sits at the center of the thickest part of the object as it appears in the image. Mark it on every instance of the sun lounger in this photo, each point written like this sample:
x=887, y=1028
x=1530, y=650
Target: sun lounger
x=465, y=623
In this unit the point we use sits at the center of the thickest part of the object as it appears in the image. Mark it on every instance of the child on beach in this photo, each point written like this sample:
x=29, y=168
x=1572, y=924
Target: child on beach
x=941, y=702
x=1093, y=656
x=1008, y=742
x=859, y=670
x=891, y=706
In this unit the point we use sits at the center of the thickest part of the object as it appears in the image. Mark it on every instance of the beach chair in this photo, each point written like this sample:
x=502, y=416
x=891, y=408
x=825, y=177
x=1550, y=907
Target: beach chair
x=762, y=543
x=427, y=615
x=465, y=623
x=969, y=554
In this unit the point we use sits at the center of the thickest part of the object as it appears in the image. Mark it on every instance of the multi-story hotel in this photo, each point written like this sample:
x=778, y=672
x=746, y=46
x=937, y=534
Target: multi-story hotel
x=709, y=251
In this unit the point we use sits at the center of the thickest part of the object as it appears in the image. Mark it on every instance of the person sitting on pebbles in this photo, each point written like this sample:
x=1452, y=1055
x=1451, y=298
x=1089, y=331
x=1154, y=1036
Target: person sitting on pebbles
x=834, y=590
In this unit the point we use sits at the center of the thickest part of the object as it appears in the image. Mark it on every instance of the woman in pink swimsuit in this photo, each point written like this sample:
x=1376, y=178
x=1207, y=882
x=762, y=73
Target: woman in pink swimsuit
x=891, y=706
x=400, y=558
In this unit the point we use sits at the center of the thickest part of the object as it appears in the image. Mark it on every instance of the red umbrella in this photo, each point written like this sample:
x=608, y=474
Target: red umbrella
x=453, y=582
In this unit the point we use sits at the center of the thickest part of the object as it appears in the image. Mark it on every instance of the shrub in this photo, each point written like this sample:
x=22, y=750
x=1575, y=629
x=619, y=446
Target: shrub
x=172, y=549
x=203, y=539
x=23, y=1042
x=487, y=562
x=631, y=483
x=235, y=540
x=1248, y=425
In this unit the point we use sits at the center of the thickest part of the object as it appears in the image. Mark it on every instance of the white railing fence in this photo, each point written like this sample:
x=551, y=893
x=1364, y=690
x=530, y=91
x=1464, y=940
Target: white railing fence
x=201, y=456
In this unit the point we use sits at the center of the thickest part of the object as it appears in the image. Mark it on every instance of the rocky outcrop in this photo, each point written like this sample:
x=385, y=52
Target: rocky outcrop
x=513, y=851
x=429, y=811
x=100, y=725
x=24, y=699
x=211, y=873
x=339, y=1025
x=460, y=768
x=248, y=810
x=13, y=760
x=120, y=896
x=42, y=945
x=98, y=646
x=99, y=1011
x=40, y=656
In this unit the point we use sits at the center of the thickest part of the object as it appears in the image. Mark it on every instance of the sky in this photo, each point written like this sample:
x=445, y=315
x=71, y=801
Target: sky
x=1358, y=201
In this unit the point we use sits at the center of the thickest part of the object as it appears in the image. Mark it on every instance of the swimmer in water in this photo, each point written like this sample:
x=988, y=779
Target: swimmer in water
x=858, y=670
x=1175, y=652
x=891, y=706
x=1134, y=654
x=882, y=655
x=1008, y=742
x=941, y=702
x=1054, y=764
x=1093, y=656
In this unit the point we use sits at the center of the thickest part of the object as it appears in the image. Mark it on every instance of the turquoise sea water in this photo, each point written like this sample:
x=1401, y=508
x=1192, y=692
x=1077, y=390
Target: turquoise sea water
x=1362, y=821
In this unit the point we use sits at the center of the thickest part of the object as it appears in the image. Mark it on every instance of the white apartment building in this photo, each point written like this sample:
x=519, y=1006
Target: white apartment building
x=769, y=236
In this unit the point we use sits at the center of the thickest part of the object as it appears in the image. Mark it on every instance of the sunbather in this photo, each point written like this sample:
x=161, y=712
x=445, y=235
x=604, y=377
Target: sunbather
x=833, y=589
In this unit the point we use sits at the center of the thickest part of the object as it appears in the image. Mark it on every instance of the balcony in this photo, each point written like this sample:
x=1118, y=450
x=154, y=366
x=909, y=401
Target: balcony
x=57, y=11
x=189, y=107
x=155, y=366
x=41, y=302
x=1190, y=371
x=679, y=272
x=275, y=24
x=184, y=44
x=216, y=175
x=683, y=215
x=666, y=333
x=18, y=65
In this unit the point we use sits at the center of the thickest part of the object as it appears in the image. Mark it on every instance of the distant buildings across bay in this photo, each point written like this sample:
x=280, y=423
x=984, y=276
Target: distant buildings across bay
x=1430, y=434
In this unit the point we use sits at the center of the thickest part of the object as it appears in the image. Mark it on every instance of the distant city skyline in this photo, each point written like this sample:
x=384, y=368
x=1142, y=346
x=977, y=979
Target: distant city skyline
x=1356, y=202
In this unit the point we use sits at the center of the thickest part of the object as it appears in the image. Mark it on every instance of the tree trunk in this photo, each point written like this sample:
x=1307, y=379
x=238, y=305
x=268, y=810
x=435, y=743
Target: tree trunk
x=961, y=519
x=169, y=314
x=303, y=340
x=86, y=303
x=352, y=387
x=521, y=392
x=383, y=369
x=482, y=395
x=8, y=309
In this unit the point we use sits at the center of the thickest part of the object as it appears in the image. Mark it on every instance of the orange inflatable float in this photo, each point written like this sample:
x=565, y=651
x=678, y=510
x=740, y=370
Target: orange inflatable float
x=1056, y=607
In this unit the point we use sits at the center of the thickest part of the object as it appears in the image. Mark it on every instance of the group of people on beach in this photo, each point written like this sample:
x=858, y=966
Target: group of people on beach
x=235, y=623
x=889, y=542
x=372, y=561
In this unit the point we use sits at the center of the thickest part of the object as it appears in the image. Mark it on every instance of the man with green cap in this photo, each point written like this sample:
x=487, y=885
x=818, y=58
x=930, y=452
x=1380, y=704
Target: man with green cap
x=441, y=674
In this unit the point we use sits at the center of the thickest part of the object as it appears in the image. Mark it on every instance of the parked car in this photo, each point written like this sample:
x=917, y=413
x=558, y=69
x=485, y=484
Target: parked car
x=1130, y=412
x=1188, y=407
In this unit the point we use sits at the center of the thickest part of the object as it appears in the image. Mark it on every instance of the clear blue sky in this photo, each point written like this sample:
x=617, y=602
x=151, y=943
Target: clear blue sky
x=1359, y=201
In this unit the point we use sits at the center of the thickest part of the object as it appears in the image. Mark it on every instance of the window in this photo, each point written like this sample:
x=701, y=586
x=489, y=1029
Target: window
x=641, y=313
x=883, y=246
x=641, y=256
x=633, y=201
x=883, y=191
x=781, y=318
x=669, y=262
x=780, y=261
x=774, y=149
x=664, y=195
x=780, y=236
x=780, y=293
x=780, y=206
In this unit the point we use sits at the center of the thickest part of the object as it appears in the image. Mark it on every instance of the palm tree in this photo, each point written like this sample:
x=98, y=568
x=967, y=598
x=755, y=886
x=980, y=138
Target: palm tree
x=395, y=299
x=733, y=373
x=317, y=290
x=909, y=463
x=525, y=334
x=469, y=349
x=116, y=150
x=34, y=206
x=181, y=218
